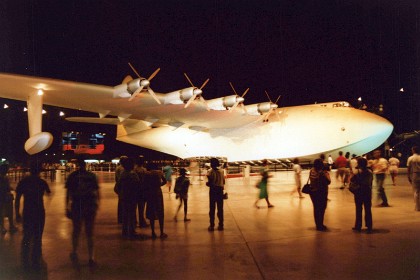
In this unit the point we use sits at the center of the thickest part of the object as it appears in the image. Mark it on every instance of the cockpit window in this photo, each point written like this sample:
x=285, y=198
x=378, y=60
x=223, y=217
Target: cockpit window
x=341, y=104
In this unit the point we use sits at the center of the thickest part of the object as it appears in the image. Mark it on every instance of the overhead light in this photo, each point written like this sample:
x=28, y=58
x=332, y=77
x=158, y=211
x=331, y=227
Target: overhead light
x=359, y=99
x=44, y=112
x=62, y=114
x=40, y=92
x=25, y=109
x=401, y=89
x=5, y=106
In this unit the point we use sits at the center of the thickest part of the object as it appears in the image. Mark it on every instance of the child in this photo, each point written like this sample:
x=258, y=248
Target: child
x=181, y=189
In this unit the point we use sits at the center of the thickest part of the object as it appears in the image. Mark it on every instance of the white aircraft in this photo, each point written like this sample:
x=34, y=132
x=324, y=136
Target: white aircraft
x=183, y=124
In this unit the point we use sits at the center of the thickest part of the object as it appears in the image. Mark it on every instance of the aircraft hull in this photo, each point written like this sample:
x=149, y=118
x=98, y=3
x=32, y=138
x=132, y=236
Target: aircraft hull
x=301, y=131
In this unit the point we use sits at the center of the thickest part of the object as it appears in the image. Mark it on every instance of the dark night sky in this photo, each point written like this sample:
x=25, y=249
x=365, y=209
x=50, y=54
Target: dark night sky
x=307, y=51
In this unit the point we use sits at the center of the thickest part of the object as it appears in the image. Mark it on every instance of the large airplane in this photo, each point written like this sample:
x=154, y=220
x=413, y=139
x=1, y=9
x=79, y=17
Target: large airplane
x=182, y=123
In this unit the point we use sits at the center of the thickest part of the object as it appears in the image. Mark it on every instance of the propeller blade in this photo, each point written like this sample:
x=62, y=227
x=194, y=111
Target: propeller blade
x=205, y=102
x=154, y=74
x=234, y=106
x=186, y=76
x=245, y=92
x=152, y=93
x=205, y=83
x=268, y=96
x=190, y=101
x=135, y=93
x=244, y=108
x=277, y=100
x=268, y=115
x=134, y=70
x=232, y=88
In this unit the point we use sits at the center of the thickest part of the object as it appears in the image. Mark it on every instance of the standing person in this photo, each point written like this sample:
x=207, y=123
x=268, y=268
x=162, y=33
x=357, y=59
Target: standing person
x=413, y=172
x=394, y=164
x=118, y=171
x=154, y=180
x=216, y=183
x=353, y=165
x=225, y=169
x=330, y=162
x=129, y=189
x=341, y=165
x=33, y=188
x=263, y=185
x=298, y=180
x=6, y=200
x=182, y=184
x=319, y=180
x=168, y=171
x=363, y=196
x=82, y=201
x=380, y=167
x=141, y=204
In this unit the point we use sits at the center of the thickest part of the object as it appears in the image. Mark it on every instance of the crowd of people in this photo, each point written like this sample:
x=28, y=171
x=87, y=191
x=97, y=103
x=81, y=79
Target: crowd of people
x=139, y=189
x=358, y=174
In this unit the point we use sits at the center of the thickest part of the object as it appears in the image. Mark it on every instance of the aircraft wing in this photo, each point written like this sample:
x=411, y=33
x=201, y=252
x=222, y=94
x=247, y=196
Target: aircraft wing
x=105, y=101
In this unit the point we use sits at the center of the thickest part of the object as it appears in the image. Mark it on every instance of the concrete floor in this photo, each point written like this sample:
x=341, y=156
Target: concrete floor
x=275, y=243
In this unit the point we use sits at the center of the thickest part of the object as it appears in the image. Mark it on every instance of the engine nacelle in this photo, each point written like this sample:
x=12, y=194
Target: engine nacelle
x=121, y=91
x=133, y=85
x=229, y=101
x=186, y=93
x=38, y=143
x=260, y=108
x=264, y=107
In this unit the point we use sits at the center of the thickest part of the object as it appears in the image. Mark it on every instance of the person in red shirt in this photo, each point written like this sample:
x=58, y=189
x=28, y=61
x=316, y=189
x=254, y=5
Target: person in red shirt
x=341, y=165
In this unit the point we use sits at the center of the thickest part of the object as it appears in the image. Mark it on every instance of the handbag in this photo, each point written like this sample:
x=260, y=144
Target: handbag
x=307, y=187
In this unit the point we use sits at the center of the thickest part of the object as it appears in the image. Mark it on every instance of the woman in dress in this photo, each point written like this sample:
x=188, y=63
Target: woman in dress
x=154, y=179
x=263, y=185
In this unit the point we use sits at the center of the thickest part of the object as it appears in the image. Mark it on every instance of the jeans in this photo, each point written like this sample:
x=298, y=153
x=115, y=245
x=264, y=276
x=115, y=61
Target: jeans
x=380, y=178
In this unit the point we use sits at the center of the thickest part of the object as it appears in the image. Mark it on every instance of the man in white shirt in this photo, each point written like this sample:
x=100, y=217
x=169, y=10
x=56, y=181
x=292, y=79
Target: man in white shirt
x=380, y=167
x=413, y=172
x=394, y=163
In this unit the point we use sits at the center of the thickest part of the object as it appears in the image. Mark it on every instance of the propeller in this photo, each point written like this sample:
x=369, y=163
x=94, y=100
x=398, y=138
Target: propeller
x=239, y=99
x=196, y=91
x=273, y=106
x=144, y=83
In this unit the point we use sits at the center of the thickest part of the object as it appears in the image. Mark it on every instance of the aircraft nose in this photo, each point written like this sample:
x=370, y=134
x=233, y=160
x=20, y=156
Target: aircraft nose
x=380, y=126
